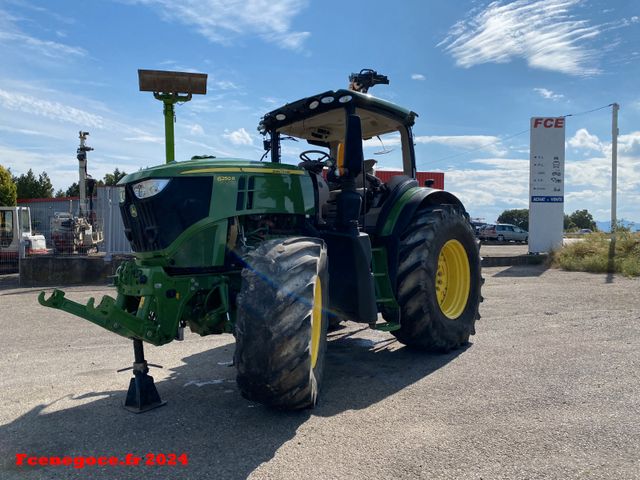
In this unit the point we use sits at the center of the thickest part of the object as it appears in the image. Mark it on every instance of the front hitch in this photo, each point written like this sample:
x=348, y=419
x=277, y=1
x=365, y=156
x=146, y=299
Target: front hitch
x=108, y=314
x=152, y=304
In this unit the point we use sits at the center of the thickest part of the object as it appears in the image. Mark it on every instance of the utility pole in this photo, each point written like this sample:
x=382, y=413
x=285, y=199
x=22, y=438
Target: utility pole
x=614, y=165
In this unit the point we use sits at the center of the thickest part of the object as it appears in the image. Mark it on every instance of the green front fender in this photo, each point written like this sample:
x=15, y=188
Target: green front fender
x=403, y=209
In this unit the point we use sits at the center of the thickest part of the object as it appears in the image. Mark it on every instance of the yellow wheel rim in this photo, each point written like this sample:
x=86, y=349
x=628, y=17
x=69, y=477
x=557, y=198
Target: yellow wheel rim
x=453, y=279
x=316, y=322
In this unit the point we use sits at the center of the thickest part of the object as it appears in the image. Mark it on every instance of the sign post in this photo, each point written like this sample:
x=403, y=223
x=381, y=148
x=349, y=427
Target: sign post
x=546, y=183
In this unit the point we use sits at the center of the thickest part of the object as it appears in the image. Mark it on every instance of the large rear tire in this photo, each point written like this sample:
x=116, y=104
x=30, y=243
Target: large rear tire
x=439, y=280
x=281, y=327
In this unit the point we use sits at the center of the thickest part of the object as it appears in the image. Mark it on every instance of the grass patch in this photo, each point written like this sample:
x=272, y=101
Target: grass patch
x=597, y=253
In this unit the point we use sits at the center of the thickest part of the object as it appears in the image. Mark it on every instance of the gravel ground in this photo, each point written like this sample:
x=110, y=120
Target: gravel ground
x=548, y=389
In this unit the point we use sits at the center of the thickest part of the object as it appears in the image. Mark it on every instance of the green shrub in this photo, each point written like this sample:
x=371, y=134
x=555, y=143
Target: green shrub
x=596, y=253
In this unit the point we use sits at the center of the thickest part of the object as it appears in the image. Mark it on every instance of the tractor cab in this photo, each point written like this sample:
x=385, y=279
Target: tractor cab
x=336, y=160
x=321, y=120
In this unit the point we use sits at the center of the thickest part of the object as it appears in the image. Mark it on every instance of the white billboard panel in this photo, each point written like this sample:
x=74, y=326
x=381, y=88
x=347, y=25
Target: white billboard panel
x=546, y=183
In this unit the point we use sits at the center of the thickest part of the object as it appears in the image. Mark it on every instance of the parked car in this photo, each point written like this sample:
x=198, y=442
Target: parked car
x=477, y=226
x=585, y=231
x=505, y=232
x=484, y=228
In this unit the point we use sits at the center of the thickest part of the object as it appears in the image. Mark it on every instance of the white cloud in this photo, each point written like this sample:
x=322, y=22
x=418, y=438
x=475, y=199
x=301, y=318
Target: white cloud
x=221, y=21
x=208, y=149
x=592, y=172
x=496, y=184
x=489, y=186
x=47, y=48
x=548, y=94
x=196, y=129
x=585, y=140
x=224, y=85
x=25, y=131
x=145, y=139
x=489, y=143
x=515, y=165
x=418, y=76
x=49, y=109
x=543, y=32
x=629, y=144
x=288, y=40
x=239, y=137
x=12, y=37
x=61, y=170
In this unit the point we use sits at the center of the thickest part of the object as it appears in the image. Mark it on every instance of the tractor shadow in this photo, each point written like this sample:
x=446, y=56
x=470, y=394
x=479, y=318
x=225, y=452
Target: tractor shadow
x=224, y=435
x=522, y=271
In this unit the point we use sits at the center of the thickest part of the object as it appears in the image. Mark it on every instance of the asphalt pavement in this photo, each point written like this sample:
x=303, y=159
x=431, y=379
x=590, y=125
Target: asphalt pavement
x=548, y=389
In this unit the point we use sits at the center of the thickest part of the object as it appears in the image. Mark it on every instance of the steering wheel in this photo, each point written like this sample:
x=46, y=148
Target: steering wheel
x=322, y=156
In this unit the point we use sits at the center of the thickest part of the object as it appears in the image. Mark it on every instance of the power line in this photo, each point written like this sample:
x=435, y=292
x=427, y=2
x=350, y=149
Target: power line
x=482, y=147
x=587, y=111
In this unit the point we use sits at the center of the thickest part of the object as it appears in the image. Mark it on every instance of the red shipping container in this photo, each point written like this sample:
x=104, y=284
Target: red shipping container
x=437, y=177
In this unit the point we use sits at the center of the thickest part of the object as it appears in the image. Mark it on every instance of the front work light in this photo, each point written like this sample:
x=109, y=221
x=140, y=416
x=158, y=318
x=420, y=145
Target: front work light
x=149, y=188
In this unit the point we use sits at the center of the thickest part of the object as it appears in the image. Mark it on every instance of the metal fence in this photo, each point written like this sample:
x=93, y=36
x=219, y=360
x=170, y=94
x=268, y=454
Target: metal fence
x=108, y=215
x=38, y=214
x=44, y=209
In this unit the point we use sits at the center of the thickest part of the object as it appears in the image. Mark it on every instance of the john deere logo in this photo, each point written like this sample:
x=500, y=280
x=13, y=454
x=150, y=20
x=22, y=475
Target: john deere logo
x=133, y=211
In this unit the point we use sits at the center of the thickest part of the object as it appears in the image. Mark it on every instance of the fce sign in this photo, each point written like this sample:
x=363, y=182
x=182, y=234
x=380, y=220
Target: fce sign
x=546, y=183
x=548, y=122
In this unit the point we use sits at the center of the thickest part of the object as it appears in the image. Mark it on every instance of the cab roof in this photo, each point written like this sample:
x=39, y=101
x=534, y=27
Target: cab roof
x=321, y=117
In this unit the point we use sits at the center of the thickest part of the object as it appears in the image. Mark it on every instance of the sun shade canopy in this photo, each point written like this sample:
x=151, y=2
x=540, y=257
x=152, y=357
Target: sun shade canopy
x=321, y=117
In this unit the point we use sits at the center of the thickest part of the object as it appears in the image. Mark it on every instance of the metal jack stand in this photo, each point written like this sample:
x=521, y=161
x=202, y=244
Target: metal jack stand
x=142, y=394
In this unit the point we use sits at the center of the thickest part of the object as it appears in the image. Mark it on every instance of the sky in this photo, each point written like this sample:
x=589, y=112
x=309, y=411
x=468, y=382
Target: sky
x=474, y=71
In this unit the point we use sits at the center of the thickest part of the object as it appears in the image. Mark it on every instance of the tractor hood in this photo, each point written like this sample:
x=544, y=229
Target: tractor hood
x=210, y=166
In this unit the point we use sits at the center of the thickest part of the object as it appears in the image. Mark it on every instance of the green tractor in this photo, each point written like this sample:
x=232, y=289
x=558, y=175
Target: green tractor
x=275, y=253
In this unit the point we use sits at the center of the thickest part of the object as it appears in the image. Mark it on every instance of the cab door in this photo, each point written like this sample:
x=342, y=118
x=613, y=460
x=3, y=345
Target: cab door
x=8, y=230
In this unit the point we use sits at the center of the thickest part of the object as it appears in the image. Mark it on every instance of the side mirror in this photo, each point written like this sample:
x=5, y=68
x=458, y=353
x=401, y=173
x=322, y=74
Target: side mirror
x=353, y=154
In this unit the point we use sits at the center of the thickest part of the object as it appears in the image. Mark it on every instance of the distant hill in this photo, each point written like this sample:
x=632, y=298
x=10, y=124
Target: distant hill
x=606, y=226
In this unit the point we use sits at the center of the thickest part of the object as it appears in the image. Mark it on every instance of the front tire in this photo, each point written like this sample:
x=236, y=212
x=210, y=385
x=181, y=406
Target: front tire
x=439, y=280
x=281, y=328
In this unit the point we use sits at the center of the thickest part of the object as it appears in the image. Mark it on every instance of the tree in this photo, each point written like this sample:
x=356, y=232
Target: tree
x=8, y=189
x=518, y=217
x=583, y=219
x=568, y=224
x=111, y=179
x=73, y=190
x=31, y=187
